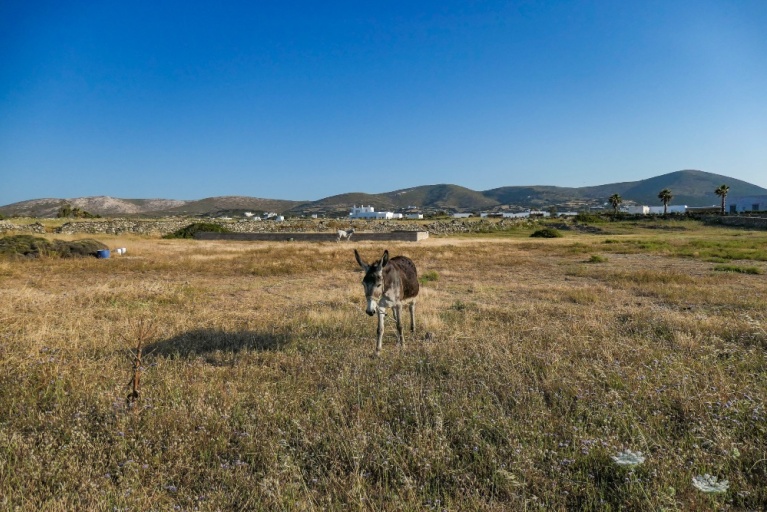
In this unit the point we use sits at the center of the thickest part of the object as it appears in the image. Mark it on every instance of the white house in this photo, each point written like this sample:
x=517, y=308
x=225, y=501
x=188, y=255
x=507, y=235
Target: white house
x=368, y=212
x=461, y=215
x=414, y=216
x=748, y=204
x=638, y=210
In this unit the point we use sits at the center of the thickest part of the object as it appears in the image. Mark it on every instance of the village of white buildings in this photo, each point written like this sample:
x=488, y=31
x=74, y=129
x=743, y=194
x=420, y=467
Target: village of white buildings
x=737, y=205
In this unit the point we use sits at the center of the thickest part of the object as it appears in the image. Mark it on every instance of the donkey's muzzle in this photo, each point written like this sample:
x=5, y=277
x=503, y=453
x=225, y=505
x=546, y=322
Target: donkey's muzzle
x=372, y=307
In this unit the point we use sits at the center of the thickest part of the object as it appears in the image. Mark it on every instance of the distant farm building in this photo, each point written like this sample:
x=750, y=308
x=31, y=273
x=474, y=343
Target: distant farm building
x=368, y=212
x=654, y=210
x=525, y=214
x=638, y=210
x=748, y=204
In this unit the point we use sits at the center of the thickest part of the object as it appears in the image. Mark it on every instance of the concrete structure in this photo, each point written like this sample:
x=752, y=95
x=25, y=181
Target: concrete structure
x=461, y=215
x=747, y=204
x=416, y=216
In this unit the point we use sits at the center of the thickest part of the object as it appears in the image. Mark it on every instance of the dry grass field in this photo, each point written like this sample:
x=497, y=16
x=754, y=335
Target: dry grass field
x=536, y=362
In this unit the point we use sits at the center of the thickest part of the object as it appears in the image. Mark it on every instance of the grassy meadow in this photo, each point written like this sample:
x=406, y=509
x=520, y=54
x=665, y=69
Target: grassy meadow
x=535, y=363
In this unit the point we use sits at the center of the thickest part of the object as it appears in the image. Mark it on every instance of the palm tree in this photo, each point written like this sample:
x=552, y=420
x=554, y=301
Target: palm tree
x=615, y=201
x=666, y=197
x=722, y=191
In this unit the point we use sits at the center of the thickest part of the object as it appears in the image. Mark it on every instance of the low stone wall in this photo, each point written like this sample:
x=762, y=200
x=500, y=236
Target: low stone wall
x=6, y=226
x=398, y=236
x=737, y=221
x=165, y=226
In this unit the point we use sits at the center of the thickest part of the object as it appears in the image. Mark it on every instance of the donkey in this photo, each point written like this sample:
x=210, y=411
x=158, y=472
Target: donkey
x=390, y=282
x=345, y=234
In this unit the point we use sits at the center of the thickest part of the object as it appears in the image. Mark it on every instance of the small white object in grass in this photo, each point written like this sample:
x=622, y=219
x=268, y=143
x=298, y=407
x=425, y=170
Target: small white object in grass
x=629, y=458
x=710, y=484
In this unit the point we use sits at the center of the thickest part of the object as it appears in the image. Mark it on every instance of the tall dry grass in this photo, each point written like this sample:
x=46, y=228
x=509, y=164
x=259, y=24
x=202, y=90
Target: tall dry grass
x=531, y=368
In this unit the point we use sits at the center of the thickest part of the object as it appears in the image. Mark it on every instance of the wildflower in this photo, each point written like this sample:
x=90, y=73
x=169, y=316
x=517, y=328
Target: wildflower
x=710, y=484
x=628, y=458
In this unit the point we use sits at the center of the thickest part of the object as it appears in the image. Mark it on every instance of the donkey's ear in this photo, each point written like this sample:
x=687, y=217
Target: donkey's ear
x=385, y=258
x=359, y=260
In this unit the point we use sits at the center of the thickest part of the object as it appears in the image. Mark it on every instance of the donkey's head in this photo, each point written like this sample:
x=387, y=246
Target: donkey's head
x=373, y=282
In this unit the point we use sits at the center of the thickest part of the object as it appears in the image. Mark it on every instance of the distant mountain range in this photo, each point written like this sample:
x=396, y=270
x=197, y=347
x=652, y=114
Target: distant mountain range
x=689, y=187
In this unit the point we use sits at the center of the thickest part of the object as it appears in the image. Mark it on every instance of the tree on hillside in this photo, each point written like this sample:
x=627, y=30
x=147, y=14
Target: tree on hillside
x=615, y=201
x=665, y=196
x=722, y=191
x=68, y=211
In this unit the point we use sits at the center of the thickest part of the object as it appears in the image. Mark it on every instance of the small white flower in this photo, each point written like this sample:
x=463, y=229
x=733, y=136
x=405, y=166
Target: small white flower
x=710, y=484
x=628, y=458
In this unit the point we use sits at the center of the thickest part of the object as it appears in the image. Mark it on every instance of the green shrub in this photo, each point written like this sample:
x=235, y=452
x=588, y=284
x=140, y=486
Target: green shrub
x=547, y=233
x=430, y=275
x=68, y=211
x=589, y=218
x=741, y=270
x=190, y=230
x=596, y=258
x=33, y=247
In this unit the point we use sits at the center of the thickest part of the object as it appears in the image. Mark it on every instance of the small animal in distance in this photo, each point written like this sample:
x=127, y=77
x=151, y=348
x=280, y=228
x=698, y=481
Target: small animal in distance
x=346, y=234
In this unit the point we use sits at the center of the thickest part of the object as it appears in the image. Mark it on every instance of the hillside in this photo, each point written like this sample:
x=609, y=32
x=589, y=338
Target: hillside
x=114, y=207
x=689, y=187
x=438, y=197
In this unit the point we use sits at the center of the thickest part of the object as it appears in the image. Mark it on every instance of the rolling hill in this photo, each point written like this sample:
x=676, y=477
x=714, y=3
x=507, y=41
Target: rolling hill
x=689, y=187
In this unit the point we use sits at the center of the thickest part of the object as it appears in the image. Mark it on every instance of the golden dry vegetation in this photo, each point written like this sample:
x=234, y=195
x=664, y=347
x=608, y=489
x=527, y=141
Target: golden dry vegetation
x=535, y=363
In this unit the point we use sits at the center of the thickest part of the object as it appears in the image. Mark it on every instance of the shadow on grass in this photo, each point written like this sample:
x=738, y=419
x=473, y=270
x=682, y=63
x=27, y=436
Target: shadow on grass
x=204, y=342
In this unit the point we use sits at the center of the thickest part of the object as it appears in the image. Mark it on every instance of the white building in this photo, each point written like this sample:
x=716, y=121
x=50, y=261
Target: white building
x=638, y=210
x=748, y=204
x=368, y=212
x=416, y=216
x=655, y=210
x=461, y=215
x=525, y=214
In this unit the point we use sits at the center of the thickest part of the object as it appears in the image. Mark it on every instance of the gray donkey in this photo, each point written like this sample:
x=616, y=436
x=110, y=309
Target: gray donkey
x=389, y=283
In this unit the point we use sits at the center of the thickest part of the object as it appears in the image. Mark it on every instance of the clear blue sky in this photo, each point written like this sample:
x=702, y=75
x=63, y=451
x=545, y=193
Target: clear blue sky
x=302, y=100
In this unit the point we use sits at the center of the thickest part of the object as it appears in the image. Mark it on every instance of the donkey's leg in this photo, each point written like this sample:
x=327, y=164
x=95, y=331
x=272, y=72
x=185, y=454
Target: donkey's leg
x=398, y=318
x=379, y=333
x=412, y=317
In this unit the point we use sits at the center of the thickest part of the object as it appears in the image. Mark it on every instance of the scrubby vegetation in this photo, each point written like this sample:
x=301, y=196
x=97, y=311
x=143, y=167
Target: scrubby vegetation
x=596, y=258
x=33, y=247
x=735, y=268
x=533, y=383
x=69, y=211
x=547, y=233
x=190, y=230
x=428, y=276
